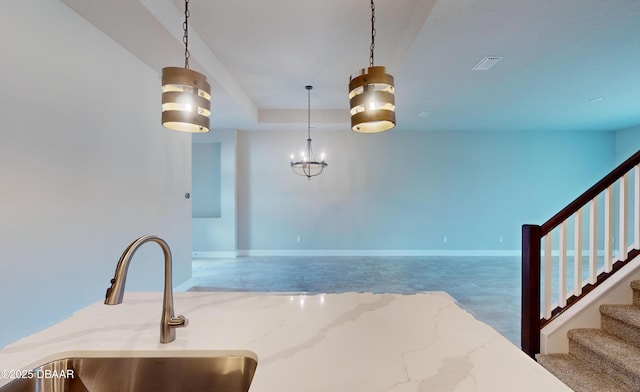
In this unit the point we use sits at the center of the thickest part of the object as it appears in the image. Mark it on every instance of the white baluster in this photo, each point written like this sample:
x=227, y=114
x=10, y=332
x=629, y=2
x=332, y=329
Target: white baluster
x=562, y=266
x=547, y=276
x=593, y=241
x=577, y=254
x=624, y=210
x=608, y=229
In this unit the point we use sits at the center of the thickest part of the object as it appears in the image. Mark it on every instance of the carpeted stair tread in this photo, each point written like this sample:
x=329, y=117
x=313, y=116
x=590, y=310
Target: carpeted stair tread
x=606, y=359
x=608, y=346
x=576, y=374
x=621, y=321
x=611, y=355
x=629, y=314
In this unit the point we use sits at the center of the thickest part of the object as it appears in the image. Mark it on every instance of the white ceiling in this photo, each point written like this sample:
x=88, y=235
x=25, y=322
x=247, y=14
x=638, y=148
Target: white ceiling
x=559, y=57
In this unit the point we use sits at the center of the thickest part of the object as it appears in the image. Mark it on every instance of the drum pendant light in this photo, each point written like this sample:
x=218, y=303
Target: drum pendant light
x=371, y=95
x=186, y=94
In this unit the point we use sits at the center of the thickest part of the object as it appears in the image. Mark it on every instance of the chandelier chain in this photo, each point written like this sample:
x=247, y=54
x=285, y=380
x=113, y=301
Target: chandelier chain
x=373, y=33
x=185, y=37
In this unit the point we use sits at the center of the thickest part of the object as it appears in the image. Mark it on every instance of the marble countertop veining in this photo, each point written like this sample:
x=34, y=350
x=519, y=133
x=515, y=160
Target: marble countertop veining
x=323, y=342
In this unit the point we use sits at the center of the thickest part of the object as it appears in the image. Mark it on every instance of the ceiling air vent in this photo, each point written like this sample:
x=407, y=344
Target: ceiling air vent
x=486, y=63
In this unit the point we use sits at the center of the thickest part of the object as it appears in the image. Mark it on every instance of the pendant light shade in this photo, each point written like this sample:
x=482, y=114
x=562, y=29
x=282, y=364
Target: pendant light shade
x=186, y=100
x=371, y=94
x=186, y=95
x=372, y=99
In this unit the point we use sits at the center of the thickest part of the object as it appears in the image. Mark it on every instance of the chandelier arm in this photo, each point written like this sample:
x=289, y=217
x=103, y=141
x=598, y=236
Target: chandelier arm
x=300, y=172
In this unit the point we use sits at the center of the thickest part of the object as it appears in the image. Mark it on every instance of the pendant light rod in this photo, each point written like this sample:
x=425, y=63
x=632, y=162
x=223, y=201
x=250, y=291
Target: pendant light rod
x=308, y=112
x=373, y=33
x=309, y=151
x=185, y=37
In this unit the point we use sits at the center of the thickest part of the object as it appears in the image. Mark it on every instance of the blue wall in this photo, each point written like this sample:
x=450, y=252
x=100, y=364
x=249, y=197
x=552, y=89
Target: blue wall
x=627, y=143
x=405, y=191
x=86, y=168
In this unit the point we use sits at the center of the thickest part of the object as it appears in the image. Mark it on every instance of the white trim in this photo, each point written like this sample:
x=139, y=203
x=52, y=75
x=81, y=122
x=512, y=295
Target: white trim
x=374, y=252
x=380, y=252
x=210, y=255
x=184, y=286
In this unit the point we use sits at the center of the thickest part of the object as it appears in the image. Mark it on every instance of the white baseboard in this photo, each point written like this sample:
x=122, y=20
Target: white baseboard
x=209, y=255
x=349, y=252
x=374, y=252
x=184, y=286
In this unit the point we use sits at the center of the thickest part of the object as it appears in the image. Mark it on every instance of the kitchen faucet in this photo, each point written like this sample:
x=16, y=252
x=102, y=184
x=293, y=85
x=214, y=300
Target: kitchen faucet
x=169, y=322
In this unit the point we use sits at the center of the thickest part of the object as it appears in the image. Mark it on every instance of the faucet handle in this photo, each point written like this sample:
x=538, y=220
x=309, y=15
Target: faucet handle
x=178, y=321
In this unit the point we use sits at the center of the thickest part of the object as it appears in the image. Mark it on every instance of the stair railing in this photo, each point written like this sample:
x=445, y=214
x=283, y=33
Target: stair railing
x=603, y=260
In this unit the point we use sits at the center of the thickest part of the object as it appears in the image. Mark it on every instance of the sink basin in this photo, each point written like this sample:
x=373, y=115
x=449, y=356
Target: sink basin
x=224, y=374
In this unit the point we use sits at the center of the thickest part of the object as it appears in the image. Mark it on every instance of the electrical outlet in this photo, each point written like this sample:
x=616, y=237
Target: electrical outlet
x=501, y=239
x=298, y=239
x=445, y=239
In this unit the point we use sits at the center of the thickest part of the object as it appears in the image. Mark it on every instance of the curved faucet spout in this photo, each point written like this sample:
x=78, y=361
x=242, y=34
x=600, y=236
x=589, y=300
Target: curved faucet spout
x=115, y=293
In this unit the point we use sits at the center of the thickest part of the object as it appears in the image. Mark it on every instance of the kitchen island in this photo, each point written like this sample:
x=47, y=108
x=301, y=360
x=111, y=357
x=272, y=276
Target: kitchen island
x=304, y=343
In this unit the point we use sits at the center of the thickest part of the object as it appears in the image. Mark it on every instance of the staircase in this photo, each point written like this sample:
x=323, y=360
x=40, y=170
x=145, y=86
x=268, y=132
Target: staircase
x=606, y=359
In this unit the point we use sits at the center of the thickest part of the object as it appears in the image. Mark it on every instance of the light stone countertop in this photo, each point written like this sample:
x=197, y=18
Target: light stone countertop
x=349, y=342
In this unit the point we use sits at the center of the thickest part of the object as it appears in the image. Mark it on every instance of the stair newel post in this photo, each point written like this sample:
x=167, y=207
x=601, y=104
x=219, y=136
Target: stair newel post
x=530, y=331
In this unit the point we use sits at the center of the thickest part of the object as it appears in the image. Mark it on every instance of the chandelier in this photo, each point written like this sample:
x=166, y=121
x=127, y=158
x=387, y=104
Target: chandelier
x=186, y=95
x=371, y=94
x=307, y=166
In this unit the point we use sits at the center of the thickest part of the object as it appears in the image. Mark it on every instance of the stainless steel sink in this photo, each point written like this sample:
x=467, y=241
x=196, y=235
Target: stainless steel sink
x=222, y=374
